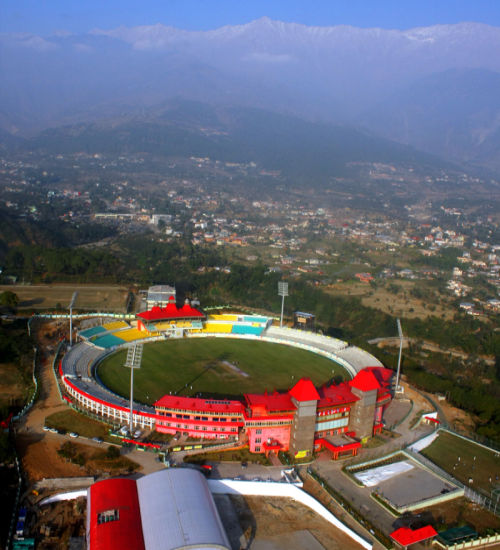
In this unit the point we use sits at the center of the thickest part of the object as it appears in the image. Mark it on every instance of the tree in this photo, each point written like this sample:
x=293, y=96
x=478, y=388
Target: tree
x=9, y=300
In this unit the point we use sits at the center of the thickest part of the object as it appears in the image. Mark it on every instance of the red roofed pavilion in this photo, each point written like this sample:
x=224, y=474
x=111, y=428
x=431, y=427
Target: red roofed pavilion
x=405, y=536
x=170, y=312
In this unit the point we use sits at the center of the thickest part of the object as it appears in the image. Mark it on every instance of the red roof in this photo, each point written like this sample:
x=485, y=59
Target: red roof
x=304, y=390
x=382, y=374
x=332, y=396
x=125, y=531
x=406, y=536
x=171, y=311
x=264, y=403
x=197, y=404
x=365, y=380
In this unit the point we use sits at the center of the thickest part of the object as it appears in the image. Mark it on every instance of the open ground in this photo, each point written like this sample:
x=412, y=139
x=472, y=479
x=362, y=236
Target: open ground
x=402, y=303
x=58, y=296
x=468, y=462
x=192, y=366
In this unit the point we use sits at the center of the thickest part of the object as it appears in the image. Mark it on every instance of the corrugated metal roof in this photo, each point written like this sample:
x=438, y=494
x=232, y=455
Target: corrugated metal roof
x=178, y=511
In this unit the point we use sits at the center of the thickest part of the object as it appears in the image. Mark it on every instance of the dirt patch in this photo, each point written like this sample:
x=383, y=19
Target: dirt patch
x=461, y=421
x=264, y=519
x=459, y=511
x=40, y=459
x=90, y=297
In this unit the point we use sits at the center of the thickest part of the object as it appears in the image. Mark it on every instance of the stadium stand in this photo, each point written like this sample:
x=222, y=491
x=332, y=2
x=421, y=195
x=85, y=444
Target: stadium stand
x=130, y=335
x=91, y=332
x=108, y=341
x=323, y=342
x=223, y=317
x=115, y=325
x=217, y=328
x=247, y=329
x=359, y=358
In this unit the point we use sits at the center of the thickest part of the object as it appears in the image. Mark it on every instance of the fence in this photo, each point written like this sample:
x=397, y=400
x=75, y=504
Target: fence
x=481, y=542
x=492, y=505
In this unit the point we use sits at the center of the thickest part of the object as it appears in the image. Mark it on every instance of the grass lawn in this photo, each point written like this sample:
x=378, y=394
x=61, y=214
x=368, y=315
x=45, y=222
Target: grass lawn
x=71, y=421
x=446, y=450
x=210, y=366
x=239, y=455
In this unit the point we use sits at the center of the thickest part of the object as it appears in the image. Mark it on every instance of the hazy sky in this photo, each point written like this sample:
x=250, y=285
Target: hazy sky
x=47, y=16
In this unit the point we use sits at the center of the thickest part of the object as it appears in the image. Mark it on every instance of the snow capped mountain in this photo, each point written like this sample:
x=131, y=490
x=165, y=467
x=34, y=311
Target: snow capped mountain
x=321, y=73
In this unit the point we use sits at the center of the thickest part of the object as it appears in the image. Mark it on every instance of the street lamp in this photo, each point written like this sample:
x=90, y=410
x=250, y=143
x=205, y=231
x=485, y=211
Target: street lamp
x=282, y=291
x=133, y=361
x=400, y=332
x=70, y=307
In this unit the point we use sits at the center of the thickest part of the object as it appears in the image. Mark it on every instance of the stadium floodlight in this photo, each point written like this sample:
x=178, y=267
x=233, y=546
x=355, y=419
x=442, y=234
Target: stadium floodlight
x=282, y=291
x=70, y=307
x=133, y=361
x=400, y=333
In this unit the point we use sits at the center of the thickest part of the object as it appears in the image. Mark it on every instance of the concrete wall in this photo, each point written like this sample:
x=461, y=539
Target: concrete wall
x=303, y=427
x=64, y=482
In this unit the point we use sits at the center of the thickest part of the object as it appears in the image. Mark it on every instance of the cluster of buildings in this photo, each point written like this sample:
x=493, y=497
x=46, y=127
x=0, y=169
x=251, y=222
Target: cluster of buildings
x=301, y=420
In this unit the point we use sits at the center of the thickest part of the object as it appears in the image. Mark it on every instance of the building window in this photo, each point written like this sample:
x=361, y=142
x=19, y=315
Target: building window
x=258, y=431
x=107, y=516
x=257, y=449
x=258, y=440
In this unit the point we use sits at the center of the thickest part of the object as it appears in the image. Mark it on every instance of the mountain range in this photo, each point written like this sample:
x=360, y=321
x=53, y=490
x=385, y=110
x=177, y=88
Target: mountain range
x=434, y=88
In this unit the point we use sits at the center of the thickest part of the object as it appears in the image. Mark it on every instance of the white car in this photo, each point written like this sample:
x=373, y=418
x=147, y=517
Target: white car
x=73, y=435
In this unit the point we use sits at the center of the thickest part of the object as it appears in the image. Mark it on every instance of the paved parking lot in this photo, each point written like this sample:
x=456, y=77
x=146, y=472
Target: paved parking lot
x=413, y=486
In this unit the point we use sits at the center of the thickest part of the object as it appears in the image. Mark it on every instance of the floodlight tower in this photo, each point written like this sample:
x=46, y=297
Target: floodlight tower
x=70, y=307
x=133, y=361
x=400, y=332
x=282, y=291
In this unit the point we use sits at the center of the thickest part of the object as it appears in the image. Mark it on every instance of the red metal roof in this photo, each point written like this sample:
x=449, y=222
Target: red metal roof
x=406, y=536
x=171, y=311
x=197, y=404
x=335, y=395
x=304, y=390
x=365, y=380
x=264, y=403
x=126, y=530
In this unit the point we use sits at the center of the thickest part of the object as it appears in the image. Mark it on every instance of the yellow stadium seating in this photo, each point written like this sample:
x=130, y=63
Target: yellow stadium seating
x=115, y=325
x=218, y=328
x=223, y=317
x=131, y=334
